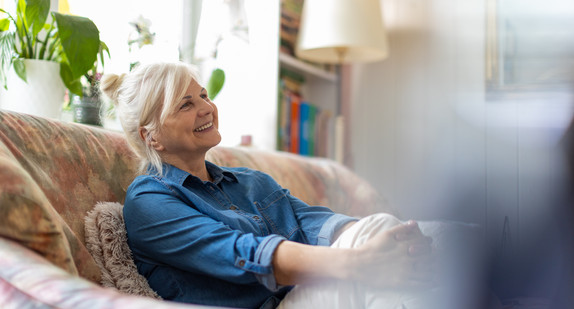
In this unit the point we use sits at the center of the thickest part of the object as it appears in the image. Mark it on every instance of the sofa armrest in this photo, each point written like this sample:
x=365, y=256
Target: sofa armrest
x=29, y=281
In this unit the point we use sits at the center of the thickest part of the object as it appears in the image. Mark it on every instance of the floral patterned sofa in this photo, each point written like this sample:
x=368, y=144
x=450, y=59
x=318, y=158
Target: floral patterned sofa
x=53, y=173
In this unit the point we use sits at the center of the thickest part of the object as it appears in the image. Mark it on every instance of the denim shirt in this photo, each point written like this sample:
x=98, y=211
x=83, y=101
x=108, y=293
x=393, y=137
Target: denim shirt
x=212, y=243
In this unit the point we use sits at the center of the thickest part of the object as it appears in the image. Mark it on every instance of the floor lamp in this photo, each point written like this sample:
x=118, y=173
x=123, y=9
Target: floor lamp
x=341, y=32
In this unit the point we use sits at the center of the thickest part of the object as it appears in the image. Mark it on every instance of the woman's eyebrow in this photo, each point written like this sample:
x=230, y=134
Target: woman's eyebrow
x=187, y=97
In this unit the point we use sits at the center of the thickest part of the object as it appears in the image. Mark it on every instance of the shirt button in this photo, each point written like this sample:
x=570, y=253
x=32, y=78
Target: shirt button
x=241, y=263
x=233, y=207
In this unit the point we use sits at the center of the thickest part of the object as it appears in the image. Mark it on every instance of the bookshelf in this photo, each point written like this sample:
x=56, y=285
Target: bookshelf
x=288, y=61
x=308, y=94
x=306, y=108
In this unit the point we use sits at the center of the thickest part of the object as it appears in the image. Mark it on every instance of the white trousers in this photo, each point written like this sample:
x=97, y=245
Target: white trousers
x=350, y=295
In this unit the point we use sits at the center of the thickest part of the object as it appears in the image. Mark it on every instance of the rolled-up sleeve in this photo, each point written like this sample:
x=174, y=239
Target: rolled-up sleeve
x=318, y=223
x=263, y=266
x=163, y=229
x=331, y=226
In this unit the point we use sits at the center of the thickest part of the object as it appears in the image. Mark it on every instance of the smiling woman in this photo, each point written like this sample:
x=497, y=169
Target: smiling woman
x=206, y=234
x=151, y=96
x=189, y=131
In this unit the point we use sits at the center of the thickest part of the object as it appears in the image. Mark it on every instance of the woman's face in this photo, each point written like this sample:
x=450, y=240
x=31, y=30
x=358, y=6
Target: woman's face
x=192, y=129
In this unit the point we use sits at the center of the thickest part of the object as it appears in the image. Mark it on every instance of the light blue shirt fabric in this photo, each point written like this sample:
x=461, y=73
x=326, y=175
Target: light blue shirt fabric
x=212, y=243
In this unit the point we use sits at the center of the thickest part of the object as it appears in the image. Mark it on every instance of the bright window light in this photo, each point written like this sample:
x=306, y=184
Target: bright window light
x=115, y=28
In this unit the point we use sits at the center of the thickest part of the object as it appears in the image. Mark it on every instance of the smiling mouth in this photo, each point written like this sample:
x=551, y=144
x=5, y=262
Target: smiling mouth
x=204, y=127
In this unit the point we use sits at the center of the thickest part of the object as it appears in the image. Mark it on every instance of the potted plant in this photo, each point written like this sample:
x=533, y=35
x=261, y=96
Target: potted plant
x=87, y=107
x=70, y=44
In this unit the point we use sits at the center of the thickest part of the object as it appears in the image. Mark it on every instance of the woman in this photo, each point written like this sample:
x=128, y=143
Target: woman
x=213, y=235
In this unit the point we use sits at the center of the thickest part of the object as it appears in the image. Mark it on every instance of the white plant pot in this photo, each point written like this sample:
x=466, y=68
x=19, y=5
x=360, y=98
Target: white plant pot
x=42, y=95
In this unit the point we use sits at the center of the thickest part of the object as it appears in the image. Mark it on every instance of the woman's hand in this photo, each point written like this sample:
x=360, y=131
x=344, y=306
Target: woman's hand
x=400, y=257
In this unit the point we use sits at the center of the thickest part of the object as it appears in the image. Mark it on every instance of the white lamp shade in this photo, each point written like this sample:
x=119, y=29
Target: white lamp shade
x=342, y=31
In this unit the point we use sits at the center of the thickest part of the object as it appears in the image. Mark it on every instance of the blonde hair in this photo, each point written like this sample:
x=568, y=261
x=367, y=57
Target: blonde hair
x=144, y=98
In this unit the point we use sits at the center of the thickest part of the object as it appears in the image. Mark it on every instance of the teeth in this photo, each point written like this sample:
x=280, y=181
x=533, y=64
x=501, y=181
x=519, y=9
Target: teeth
x=203, y=127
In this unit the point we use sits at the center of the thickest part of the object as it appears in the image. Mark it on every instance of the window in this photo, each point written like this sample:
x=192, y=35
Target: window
x=113, y=20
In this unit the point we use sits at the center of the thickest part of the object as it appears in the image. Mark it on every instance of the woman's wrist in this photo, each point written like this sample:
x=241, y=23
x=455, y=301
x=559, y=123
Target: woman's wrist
x=347, y=258
x=296, y=263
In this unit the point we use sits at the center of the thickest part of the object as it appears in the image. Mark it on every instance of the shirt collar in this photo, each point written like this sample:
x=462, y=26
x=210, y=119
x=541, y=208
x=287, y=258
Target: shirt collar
x=180, y=176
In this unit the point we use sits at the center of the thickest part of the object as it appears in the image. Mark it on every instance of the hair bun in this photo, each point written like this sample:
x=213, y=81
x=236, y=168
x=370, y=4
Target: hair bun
x=110, y=85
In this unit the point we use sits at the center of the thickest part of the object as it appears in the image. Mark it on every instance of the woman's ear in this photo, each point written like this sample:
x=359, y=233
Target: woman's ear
x=150, y=139
x=143, y=133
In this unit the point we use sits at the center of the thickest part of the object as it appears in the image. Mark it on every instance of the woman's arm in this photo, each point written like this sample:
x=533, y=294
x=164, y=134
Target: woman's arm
x=163, y=230
x=390, y=259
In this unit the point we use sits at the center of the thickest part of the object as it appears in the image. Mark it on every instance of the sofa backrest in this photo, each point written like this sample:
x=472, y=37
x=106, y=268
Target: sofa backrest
x=64, y=169
x=74, y=165
x=317, y=181
x=51, y=174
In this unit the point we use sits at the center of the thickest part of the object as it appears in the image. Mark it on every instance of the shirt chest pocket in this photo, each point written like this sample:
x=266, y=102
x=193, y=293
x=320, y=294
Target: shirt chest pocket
x=277, y=212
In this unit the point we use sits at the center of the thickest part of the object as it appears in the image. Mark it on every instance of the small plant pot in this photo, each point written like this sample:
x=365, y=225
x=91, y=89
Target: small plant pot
x=87, y=110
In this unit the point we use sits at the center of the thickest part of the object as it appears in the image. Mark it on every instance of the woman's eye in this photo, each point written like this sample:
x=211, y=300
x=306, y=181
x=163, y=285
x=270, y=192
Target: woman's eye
x=186, y=105
x=204, y=96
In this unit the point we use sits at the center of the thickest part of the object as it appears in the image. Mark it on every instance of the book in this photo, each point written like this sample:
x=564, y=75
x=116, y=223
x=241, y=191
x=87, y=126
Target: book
x=283, y=118
x=323, y=120
x=312, y=131
x=289, y=25
x=295, y=102
x=289, y=91
x=304, y=128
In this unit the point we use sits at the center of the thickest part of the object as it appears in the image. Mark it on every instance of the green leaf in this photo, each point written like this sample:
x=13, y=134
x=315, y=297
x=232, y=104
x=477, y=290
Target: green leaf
x=20, y=23
x=80, y=39
x=20, y=68
x=6, y=46
x=21, y=8
x=36, y=14
x=4, y=24
x=215, y=83
x=6, y=51
x=103, y=47
x=73, y=84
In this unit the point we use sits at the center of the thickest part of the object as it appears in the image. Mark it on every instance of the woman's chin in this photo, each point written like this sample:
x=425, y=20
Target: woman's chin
x=216, y=139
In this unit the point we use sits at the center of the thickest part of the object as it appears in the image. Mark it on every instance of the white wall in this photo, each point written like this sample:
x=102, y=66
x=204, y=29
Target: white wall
x=404, y=108
x=424, y=134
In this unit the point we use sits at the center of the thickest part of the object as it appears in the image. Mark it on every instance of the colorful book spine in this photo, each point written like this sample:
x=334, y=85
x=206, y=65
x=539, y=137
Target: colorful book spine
x=322, y=125
x=295, y=124
x=290, y=19
x=304, y=129
x=312, y=123
x=283, y=118
x=289, y=94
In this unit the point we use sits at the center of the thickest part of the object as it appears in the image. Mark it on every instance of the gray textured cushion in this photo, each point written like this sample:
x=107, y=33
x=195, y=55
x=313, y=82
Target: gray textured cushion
x=106, y=240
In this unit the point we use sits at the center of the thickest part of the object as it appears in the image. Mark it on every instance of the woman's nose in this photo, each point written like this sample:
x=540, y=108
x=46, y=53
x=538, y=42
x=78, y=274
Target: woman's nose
x=206, y=108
